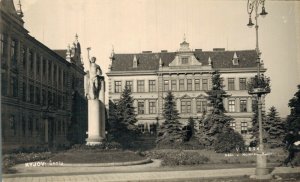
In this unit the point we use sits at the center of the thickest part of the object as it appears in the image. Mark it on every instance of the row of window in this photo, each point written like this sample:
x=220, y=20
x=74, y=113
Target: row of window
x=232, y=106
x=42, y=97
x=171, y=85
x=145, y=128
x=186, y=106
x=34, y=66
x=152, y=107
x=244, y=126
x=201, y=106
x=32, y=125
x=168, y=85
x=242, y=84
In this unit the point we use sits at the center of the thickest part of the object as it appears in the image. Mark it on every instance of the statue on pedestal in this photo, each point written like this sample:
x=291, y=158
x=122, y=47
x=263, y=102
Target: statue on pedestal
x=95, y=93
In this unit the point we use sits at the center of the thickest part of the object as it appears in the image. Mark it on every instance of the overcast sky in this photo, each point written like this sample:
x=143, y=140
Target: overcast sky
x=153, y=25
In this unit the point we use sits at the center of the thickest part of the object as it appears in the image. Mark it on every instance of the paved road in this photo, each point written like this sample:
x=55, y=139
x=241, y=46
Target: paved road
x=147, y=176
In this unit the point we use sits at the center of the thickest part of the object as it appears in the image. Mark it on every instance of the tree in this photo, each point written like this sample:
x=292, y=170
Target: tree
x=170, y=131
x=229, y=141
x=254, y=130
x=217, y=94
x=216, y=122
x=293, y=120
x=113, y=122
x=125, y=109
x=275, y=129
x=190, y=129
x=122, y=119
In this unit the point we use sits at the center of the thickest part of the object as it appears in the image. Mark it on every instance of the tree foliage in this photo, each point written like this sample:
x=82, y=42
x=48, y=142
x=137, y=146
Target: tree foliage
x=190, y=129
x=217, y=94
x=170, y=130
x=293, y=120
x=275, y=129
x=215, y=122
x=254, y=130
x=122, y=119
x=125, y=109
x=229, y=141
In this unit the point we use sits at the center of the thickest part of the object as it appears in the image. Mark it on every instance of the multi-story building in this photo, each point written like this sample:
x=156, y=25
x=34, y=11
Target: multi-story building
x=40, y=88
x=187, y=73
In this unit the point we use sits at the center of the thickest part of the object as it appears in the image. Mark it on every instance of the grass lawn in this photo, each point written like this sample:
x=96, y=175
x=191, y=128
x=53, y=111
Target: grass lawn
x=96, y=156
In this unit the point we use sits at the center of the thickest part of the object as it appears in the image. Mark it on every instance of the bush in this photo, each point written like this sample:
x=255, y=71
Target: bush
x=10, y=160
x=178, y=157
x=230, y=141
x=103, y=146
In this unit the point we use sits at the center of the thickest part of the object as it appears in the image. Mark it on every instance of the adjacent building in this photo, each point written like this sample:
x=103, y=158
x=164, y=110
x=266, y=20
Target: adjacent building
x=41, y=89
x=187, y=73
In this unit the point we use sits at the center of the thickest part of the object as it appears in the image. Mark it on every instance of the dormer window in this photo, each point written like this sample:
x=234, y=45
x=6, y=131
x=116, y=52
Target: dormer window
x=134, y=62
x=235, y=59
x=185, y=60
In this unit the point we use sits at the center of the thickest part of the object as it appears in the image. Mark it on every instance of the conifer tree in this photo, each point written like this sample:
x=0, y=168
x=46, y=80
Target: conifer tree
x=215, y=122
x=275, y=129
x=125, y=109
x=254, y=130
x=125, y=130
x=293, y=120
x=113, y=126
x=190, y=129
x=170, y=130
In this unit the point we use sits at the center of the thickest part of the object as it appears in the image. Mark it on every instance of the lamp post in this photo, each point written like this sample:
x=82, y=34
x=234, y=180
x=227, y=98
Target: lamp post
x=261, y=172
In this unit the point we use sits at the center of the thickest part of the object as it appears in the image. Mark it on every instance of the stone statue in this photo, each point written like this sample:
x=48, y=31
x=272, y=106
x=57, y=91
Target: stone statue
x=95, y=93
x=93, y=80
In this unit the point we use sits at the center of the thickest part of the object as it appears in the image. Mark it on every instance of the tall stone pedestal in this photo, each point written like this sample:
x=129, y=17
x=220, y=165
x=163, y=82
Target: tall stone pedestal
x=96, y=124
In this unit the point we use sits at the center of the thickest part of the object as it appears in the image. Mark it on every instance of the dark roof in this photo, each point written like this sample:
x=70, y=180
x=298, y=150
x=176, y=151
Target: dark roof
x=61, y=52
x=150, y=61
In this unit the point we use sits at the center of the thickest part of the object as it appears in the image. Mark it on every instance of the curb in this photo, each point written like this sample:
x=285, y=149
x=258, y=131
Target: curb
x=145, y=161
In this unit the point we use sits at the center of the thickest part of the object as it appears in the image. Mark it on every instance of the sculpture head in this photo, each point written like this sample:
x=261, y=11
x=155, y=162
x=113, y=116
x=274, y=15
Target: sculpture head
x=93, y=59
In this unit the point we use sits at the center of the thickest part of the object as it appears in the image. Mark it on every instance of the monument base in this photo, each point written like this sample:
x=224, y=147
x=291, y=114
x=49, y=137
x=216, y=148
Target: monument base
x=92, y=141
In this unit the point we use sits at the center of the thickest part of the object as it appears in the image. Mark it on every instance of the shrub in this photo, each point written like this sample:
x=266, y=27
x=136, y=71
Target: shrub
x=10, y=160
x=103, y=146
x=179, y=157
x=229, y=141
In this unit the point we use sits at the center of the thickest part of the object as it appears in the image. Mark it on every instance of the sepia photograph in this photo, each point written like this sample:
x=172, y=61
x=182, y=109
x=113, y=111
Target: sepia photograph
x=150, y=90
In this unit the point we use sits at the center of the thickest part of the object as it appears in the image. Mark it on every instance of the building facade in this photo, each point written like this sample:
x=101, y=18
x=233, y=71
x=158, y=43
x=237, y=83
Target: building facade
x=39, y=87
x=187, y=73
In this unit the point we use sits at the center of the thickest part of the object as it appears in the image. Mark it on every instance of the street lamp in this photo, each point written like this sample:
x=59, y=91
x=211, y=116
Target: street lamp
x=259, y=89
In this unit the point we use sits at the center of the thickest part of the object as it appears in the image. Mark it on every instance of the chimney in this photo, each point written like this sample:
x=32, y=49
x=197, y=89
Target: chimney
x=146, y=51
x=218, y=49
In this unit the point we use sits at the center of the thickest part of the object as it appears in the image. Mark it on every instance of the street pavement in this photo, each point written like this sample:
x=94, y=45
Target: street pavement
x=146, y=172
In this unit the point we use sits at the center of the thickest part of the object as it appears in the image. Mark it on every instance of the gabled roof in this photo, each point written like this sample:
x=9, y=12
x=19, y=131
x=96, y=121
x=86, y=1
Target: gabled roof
x=150, y=61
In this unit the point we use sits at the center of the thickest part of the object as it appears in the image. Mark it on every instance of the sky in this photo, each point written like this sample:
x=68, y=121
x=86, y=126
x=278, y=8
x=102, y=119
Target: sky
x=132, y=26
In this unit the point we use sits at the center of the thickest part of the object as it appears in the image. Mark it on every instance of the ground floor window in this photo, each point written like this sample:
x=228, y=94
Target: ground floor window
x=233, y=125
x=141, y=128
